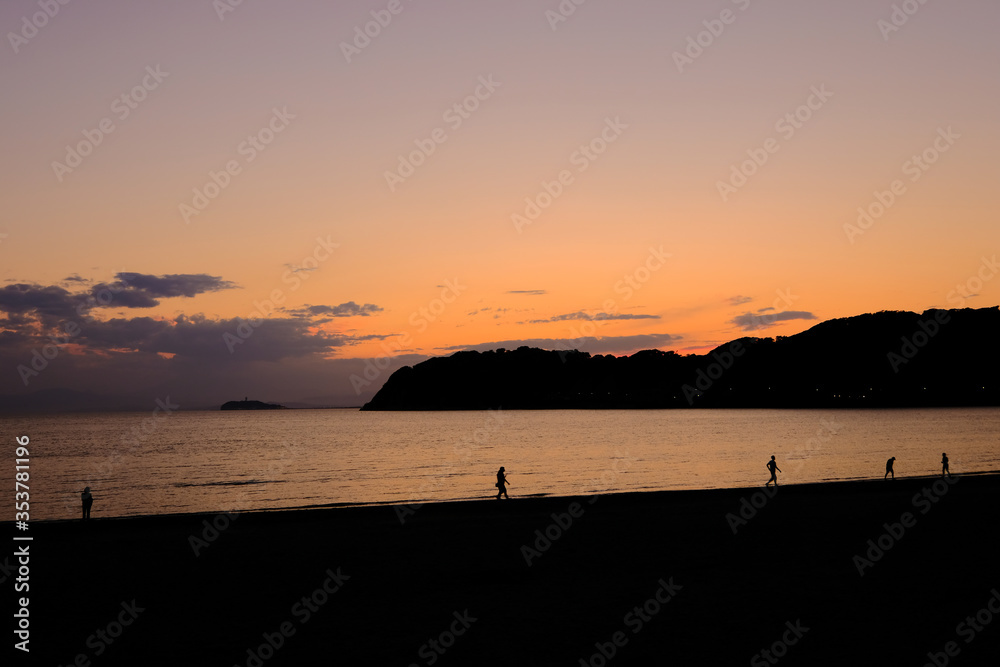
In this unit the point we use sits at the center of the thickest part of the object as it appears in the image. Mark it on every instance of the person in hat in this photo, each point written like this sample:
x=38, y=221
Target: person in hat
x=501, y=484
x=88, y=501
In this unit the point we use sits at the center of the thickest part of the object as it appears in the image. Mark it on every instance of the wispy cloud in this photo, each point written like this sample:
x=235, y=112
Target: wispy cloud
x=488, y=309
x=347, y=309
x=594, y=344
x=599, y=317
x=355, y=339
x=528, y=292
x=763, y=319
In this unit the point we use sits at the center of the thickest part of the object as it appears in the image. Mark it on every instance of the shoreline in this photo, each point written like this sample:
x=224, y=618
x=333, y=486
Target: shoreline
x=537, y=496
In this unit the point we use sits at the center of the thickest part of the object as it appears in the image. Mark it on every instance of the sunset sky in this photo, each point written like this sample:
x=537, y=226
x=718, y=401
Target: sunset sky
x=697, y=168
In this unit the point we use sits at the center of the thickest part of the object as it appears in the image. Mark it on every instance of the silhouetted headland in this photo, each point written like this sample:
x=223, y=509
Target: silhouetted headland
x=886, y=359
x=251, y=405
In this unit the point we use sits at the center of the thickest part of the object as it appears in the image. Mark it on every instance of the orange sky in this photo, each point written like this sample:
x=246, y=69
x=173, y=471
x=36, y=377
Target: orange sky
x=610, y=67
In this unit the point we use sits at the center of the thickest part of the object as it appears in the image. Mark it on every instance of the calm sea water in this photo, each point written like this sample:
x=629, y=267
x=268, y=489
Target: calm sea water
x=213, y=461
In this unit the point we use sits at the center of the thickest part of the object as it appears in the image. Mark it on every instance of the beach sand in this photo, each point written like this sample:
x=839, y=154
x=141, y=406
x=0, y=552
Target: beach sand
x=458, y=574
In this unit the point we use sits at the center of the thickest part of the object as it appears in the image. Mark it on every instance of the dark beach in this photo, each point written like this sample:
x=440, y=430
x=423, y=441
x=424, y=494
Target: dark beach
x=787, y=581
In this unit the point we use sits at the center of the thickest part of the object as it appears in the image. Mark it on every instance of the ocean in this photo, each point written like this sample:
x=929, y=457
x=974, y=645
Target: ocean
x=145, y=464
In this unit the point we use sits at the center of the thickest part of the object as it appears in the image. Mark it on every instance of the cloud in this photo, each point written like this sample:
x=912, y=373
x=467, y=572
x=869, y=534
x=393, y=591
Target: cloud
x=197, y=360
x=497, y=312
x=51, y=305
x=24, y=302
x=118, y=295
x=200, y=338
x=528, y=292
x=739, y=300
x=296, y=269
x=763, y=320
x=580, y=315
x=172, y=285
x=348, y=309
x=356, y=339
x=30, y=312
x=594, y=345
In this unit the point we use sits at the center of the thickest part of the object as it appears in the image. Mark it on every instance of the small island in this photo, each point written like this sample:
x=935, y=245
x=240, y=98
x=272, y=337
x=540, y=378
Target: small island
x=246, y=404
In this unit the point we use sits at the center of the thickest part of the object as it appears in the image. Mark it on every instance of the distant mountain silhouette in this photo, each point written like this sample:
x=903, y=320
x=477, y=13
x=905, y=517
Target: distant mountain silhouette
x=251, y=405
x=885, y=359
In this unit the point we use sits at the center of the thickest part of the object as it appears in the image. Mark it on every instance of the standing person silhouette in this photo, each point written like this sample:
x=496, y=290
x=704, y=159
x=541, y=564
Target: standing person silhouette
x=502, y=484
x=88, y=501
x=888, y=468
x=773, y=466
x=944, y=465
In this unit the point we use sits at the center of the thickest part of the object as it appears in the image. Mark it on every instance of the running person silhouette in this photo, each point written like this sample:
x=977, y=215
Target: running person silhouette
x=944, y=465
x=773, y=466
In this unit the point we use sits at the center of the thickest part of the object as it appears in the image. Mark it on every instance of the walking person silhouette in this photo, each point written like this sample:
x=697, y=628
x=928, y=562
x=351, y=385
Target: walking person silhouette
x=88, y=501
x=944, y=465
x=888, y=468
x=501, y=484
x=773, y=466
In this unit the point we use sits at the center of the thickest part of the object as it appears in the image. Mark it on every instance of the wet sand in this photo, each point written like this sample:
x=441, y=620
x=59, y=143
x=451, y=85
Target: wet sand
x=645, y=578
